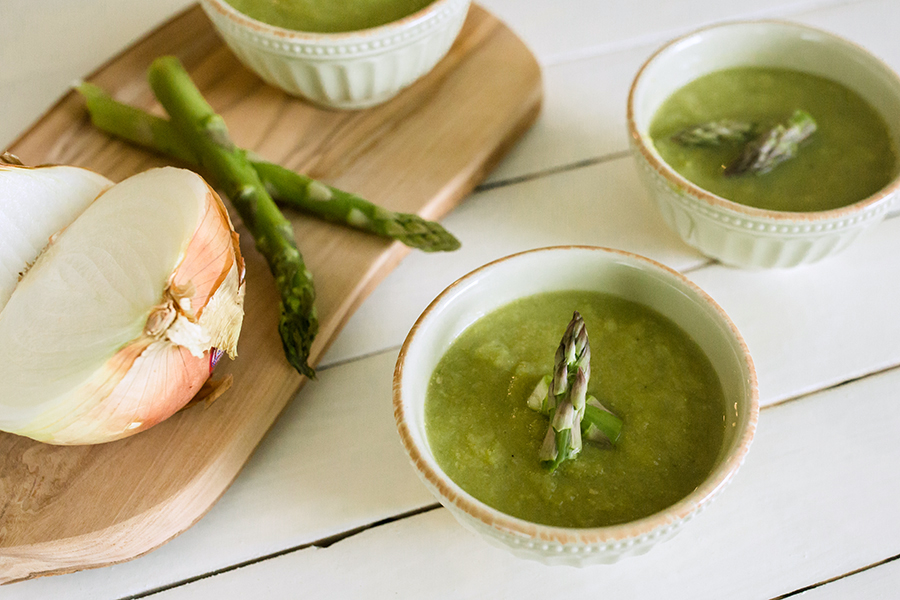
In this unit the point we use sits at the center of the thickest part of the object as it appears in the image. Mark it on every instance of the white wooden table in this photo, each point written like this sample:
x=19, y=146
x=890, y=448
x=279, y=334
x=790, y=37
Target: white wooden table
x=813, y=511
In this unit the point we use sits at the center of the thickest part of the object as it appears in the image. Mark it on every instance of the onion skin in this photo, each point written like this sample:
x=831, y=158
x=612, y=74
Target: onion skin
x=161, y=370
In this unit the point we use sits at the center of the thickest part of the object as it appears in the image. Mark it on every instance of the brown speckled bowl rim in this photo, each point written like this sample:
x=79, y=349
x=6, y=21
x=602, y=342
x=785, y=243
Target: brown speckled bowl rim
x=293, y=35
x=452, y=493
x=692, y=190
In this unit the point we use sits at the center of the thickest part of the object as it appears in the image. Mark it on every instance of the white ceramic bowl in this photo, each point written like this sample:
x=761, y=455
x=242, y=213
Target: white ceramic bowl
x=351, y=70
x=569, y=268
x=736, y=234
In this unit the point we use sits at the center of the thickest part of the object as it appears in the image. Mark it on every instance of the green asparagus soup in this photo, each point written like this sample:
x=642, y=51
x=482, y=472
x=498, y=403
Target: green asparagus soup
x=328, y=16
x=644, y=368
x=848, y=158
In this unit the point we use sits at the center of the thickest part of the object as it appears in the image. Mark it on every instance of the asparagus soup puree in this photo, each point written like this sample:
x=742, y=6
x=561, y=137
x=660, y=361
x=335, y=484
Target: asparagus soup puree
x=848, y=158
x=644, y=368
x=328, y=16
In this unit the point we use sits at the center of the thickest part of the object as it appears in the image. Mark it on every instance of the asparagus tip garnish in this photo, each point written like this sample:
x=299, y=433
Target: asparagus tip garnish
x=716, y=133
x=574, y=415
x=566, y=396
x=774, y=146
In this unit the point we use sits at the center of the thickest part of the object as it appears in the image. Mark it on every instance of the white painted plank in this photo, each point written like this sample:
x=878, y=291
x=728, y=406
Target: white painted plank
x=815, y=499
x=332, y=462
x=582, y=116
x=811, y=327
x=571, y=29
x=875, y=583
x=601, y=205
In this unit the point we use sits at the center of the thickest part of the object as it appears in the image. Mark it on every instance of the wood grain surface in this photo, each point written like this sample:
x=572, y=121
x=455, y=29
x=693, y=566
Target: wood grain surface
x=68, y=508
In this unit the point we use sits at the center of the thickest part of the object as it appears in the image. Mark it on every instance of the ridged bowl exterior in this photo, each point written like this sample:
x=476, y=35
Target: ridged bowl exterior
x=756, y=239
x=350, y=70
x=740, y=235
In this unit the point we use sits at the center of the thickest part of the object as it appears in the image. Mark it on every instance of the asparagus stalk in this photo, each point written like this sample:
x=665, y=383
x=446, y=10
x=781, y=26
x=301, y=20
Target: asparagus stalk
x=204, y=132
x=287, y=187
x=774, y=146
x=716, y=133
x=133, y=124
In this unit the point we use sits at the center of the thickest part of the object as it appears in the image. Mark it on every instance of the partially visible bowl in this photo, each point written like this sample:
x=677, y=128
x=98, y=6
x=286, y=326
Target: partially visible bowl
x=574, y=268
x=351, y=70
x=736, y=234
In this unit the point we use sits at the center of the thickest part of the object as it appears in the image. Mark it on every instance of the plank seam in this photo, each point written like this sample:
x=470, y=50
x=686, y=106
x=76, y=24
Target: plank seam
x=813, y=586
x=320, y=543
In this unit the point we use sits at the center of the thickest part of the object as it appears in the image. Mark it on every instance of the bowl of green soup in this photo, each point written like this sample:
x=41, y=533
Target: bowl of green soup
x=656, y=365
x=347, y=54
x=767, y=144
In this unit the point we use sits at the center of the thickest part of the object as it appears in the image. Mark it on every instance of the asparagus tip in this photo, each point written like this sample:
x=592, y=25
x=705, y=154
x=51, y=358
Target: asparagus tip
x=296, y=341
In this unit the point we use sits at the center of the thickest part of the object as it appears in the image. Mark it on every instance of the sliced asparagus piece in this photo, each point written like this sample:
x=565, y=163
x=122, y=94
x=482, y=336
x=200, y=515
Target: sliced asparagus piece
x=599, y=425
x=285, y=186
x=774, y=146
x=539, y=399
x=716, y=133
x=204, y=132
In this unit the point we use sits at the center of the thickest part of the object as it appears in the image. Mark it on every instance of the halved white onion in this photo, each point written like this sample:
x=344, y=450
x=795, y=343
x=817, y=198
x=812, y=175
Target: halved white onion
x=113, y=327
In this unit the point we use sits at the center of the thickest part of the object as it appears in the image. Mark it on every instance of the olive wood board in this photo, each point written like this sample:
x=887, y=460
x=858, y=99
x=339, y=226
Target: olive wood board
x=66, y=508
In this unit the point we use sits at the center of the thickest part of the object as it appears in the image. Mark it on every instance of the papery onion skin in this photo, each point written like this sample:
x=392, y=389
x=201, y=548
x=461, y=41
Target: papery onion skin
x=159, y=371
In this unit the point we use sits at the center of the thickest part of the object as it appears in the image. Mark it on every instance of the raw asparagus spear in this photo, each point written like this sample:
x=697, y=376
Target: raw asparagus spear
x=204, y=132
x=774, y=146
x=133, y=124
x=716, y=133
x=285, y=186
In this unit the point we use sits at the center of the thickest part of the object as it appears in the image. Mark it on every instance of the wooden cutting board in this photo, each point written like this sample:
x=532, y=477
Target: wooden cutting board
x=68, y=508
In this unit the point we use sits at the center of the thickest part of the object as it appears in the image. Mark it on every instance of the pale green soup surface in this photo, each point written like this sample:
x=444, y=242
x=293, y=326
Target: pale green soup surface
x=643, y=367
x=328, y=16
x=848, y=158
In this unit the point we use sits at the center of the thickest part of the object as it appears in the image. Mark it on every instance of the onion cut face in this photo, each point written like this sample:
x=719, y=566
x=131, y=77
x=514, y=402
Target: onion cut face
x=35, y=203
x=113, y=327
